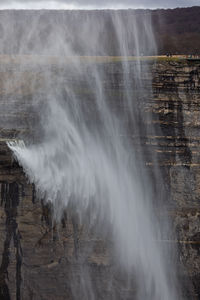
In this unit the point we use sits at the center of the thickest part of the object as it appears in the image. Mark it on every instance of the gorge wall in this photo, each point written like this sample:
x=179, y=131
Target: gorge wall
x=38, y=257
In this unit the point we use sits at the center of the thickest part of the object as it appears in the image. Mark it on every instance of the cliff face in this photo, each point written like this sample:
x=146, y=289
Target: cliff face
x=41, y=259
x=176, y=103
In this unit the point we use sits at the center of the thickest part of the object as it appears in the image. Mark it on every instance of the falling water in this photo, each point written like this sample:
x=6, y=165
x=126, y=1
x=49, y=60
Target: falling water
x=85, y=157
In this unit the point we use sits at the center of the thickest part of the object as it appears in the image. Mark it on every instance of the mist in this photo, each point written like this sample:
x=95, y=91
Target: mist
x=81, y=157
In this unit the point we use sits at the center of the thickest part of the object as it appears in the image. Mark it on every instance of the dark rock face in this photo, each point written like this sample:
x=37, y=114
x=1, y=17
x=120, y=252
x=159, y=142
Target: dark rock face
x=41, y=259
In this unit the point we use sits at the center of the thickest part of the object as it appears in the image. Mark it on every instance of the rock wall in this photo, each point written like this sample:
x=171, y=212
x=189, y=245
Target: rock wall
x=41, y=259
x=176, y=104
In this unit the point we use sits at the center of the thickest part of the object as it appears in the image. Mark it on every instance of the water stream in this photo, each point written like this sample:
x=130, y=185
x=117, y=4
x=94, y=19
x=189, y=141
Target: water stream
x=85, y=158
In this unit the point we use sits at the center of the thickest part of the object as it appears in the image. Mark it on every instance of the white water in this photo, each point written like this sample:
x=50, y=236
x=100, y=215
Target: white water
x=85, y=158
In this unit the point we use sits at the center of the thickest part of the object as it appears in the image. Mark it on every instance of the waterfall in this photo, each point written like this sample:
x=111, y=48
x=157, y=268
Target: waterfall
x=90, y=157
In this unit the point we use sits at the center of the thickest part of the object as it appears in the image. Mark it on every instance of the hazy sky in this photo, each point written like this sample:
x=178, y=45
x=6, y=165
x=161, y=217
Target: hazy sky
x=92, y=4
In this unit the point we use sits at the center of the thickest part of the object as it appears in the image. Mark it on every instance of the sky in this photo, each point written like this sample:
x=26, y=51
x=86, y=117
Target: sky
x=95, y=4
